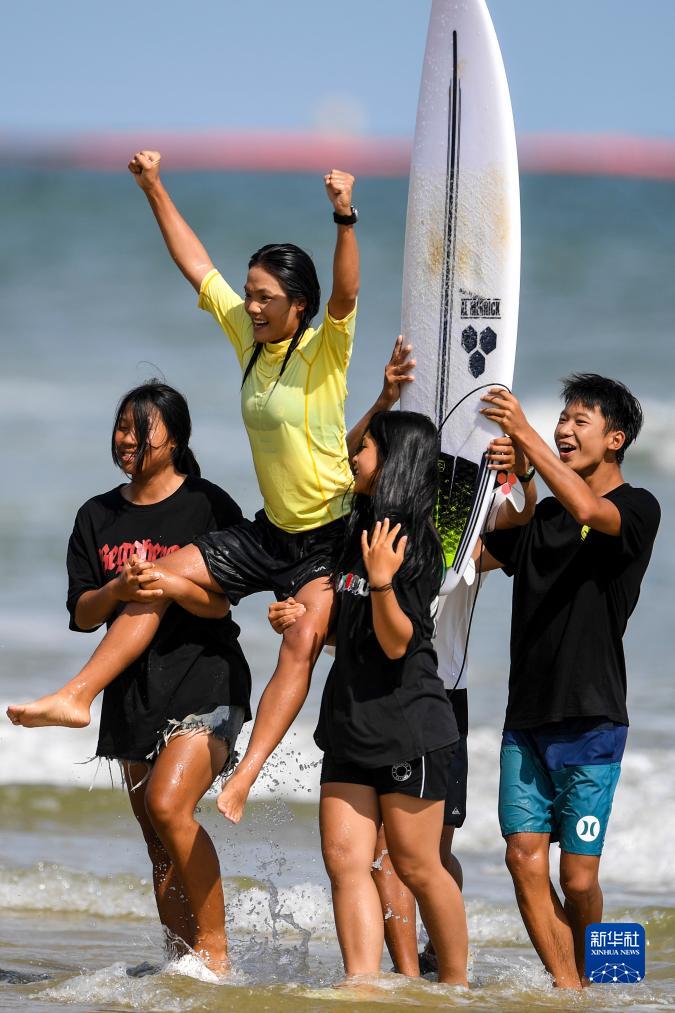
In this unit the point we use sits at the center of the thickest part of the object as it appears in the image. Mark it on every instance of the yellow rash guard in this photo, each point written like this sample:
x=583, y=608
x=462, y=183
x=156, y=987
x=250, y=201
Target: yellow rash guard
x=296, y=429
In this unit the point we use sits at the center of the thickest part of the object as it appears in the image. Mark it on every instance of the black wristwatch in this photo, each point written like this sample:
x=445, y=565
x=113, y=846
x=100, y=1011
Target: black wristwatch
x=350, y=219
x=528, y=476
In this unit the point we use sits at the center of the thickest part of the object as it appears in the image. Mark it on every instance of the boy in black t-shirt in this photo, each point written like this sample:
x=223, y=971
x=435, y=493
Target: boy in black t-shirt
x=577, y=568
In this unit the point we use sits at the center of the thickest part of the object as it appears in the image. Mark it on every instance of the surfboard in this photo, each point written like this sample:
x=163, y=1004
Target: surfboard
x=461, y=274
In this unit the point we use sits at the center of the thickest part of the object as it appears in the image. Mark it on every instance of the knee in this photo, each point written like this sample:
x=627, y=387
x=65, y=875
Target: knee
x=578, y=885
x=341, y=861
x=526, y=864
x=304, y=639
x=162, y=810
x=418, y=876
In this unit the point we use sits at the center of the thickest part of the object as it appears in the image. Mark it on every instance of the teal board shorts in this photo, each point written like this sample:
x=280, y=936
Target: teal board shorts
x=559, y=779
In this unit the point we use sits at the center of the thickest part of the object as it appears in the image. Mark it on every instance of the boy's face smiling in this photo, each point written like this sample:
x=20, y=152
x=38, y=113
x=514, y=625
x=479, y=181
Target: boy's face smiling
x=582, y=438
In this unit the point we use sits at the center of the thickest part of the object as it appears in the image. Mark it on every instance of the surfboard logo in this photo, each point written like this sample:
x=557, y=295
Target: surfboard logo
x=478, y=307
x=487, y=340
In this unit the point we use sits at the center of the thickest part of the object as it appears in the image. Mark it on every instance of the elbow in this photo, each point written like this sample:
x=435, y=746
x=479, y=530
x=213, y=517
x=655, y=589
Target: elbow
x=583, y=510
x=220, y=609
x=583, y=516
x=396, y=651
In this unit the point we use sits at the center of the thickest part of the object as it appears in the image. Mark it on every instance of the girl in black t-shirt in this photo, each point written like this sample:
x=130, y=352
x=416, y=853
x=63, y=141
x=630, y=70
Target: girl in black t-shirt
x=172, y=718
x=386, y=727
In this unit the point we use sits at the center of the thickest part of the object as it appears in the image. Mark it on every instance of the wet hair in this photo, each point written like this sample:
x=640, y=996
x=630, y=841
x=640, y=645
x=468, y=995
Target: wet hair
x=620, y=409
x=294, y=270
x=156, y=397
x=404, y=489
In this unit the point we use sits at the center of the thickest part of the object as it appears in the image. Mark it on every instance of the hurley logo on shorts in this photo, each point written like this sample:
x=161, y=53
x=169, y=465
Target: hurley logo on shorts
x=588, y=828
x=353, y=583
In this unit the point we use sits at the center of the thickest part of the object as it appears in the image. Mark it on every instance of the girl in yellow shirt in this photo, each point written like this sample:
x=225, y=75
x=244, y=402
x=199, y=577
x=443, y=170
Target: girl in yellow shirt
x=293, y=392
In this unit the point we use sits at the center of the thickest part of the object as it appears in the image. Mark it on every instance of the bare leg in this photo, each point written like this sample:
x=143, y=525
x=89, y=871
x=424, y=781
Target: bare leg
x=398, y=910
x=172, y=905
x=545, y=920
x=125, y=641
x=349, y=816
x=182, y=773
x=284, y=694
x=583, y=899
x=451, y=864
x=413, y=827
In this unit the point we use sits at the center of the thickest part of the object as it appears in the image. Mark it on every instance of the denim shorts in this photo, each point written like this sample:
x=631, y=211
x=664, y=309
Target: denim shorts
x=224, y=723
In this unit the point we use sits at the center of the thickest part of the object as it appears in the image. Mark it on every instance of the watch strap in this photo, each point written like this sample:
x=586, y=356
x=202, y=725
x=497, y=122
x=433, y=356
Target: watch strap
x=349, y=219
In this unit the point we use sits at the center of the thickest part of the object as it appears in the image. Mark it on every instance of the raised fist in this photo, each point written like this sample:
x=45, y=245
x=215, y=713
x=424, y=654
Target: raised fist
x=339, y=189
x=145, y=167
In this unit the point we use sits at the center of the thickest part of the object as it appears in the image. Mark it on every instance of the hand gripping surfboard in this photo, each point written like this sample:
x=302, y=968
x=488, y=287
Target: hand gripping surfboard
x=461, y=274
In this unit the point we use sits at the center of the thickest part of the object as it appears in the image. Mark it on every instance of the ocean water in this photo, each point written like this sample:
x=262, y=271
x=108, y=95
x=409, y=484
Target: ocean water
x=91, y=305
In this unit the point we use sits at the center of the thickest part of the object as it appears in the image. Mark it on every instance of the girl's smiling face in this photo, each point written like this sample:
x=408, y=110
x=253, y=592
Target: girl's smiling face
x=274, y=316
x=159, y=450
x=365, y=465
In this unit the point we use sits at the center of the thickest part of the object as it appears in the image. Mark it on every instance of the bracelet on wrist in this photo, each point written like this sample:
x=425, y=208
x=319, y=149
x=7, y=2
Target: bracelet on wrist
x=383, y=587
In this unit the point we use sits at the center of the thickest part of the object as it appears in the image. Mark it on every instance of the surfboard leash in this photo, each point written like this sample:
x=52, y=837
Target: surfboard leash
x=484, y=386
x=479, y=576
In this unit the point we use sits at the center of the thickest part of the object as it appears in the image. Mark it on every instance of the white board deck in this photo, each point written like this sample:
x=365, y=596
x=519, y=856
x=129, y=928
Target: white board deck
x=461, y=275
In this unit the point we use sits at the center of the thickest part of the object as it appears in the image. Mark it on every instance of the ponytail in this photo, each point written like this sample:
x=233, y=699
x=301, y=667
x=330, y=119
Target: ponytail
x=186, y=462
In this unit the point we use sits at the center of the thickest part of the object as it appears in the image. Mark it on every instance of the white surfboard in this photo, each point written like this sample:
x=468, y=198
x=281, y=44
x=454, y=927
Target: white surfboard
x=461, y=275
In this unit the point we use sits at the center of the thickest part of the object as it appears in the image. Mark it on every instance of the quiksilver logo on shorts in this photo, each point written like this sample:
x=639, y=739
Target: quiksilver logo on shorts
x=401, y=771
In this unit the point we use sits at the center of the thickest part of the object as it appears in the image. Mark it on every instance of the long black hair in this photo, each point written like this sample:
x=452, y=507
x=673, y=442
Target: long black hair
x=404, y=489
x=294, y=270
x=157, y=398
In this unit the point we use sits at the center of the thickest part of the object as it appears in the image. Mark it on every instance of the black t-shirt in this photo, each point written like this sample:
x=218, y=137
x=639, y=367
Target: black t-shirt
x=573, y=593
x=374, y=710
x=193, y=665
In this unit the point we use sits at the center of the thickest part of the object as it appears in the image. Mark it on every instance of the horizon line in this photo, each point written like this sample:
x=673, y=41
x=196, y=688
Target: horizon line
x=610, y=154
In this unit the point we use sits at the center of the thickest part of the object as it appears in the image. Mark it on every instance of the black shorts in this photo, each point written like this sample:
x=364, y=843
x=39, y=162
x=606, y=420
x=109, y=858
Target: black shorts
x=258, y=556
x=455, y=800
x=424, y=777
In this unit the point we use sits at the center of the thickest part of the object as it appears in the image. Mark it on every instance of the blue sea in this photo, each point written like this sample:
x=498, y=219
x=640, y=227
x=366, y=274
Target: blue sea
x=92, y=305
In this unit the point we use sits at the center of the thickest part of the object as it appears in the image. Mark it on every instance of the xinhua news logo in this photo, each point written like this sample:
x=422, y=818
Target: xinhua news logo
x=615, y=953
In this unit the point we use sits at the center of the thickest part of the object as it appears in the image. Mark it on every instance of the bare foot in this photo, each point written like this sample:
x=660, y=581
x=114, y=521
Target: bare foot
x=215, y=957
x=56, y=709
x=232, y=798
x=363, y=986
x=220, y=967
